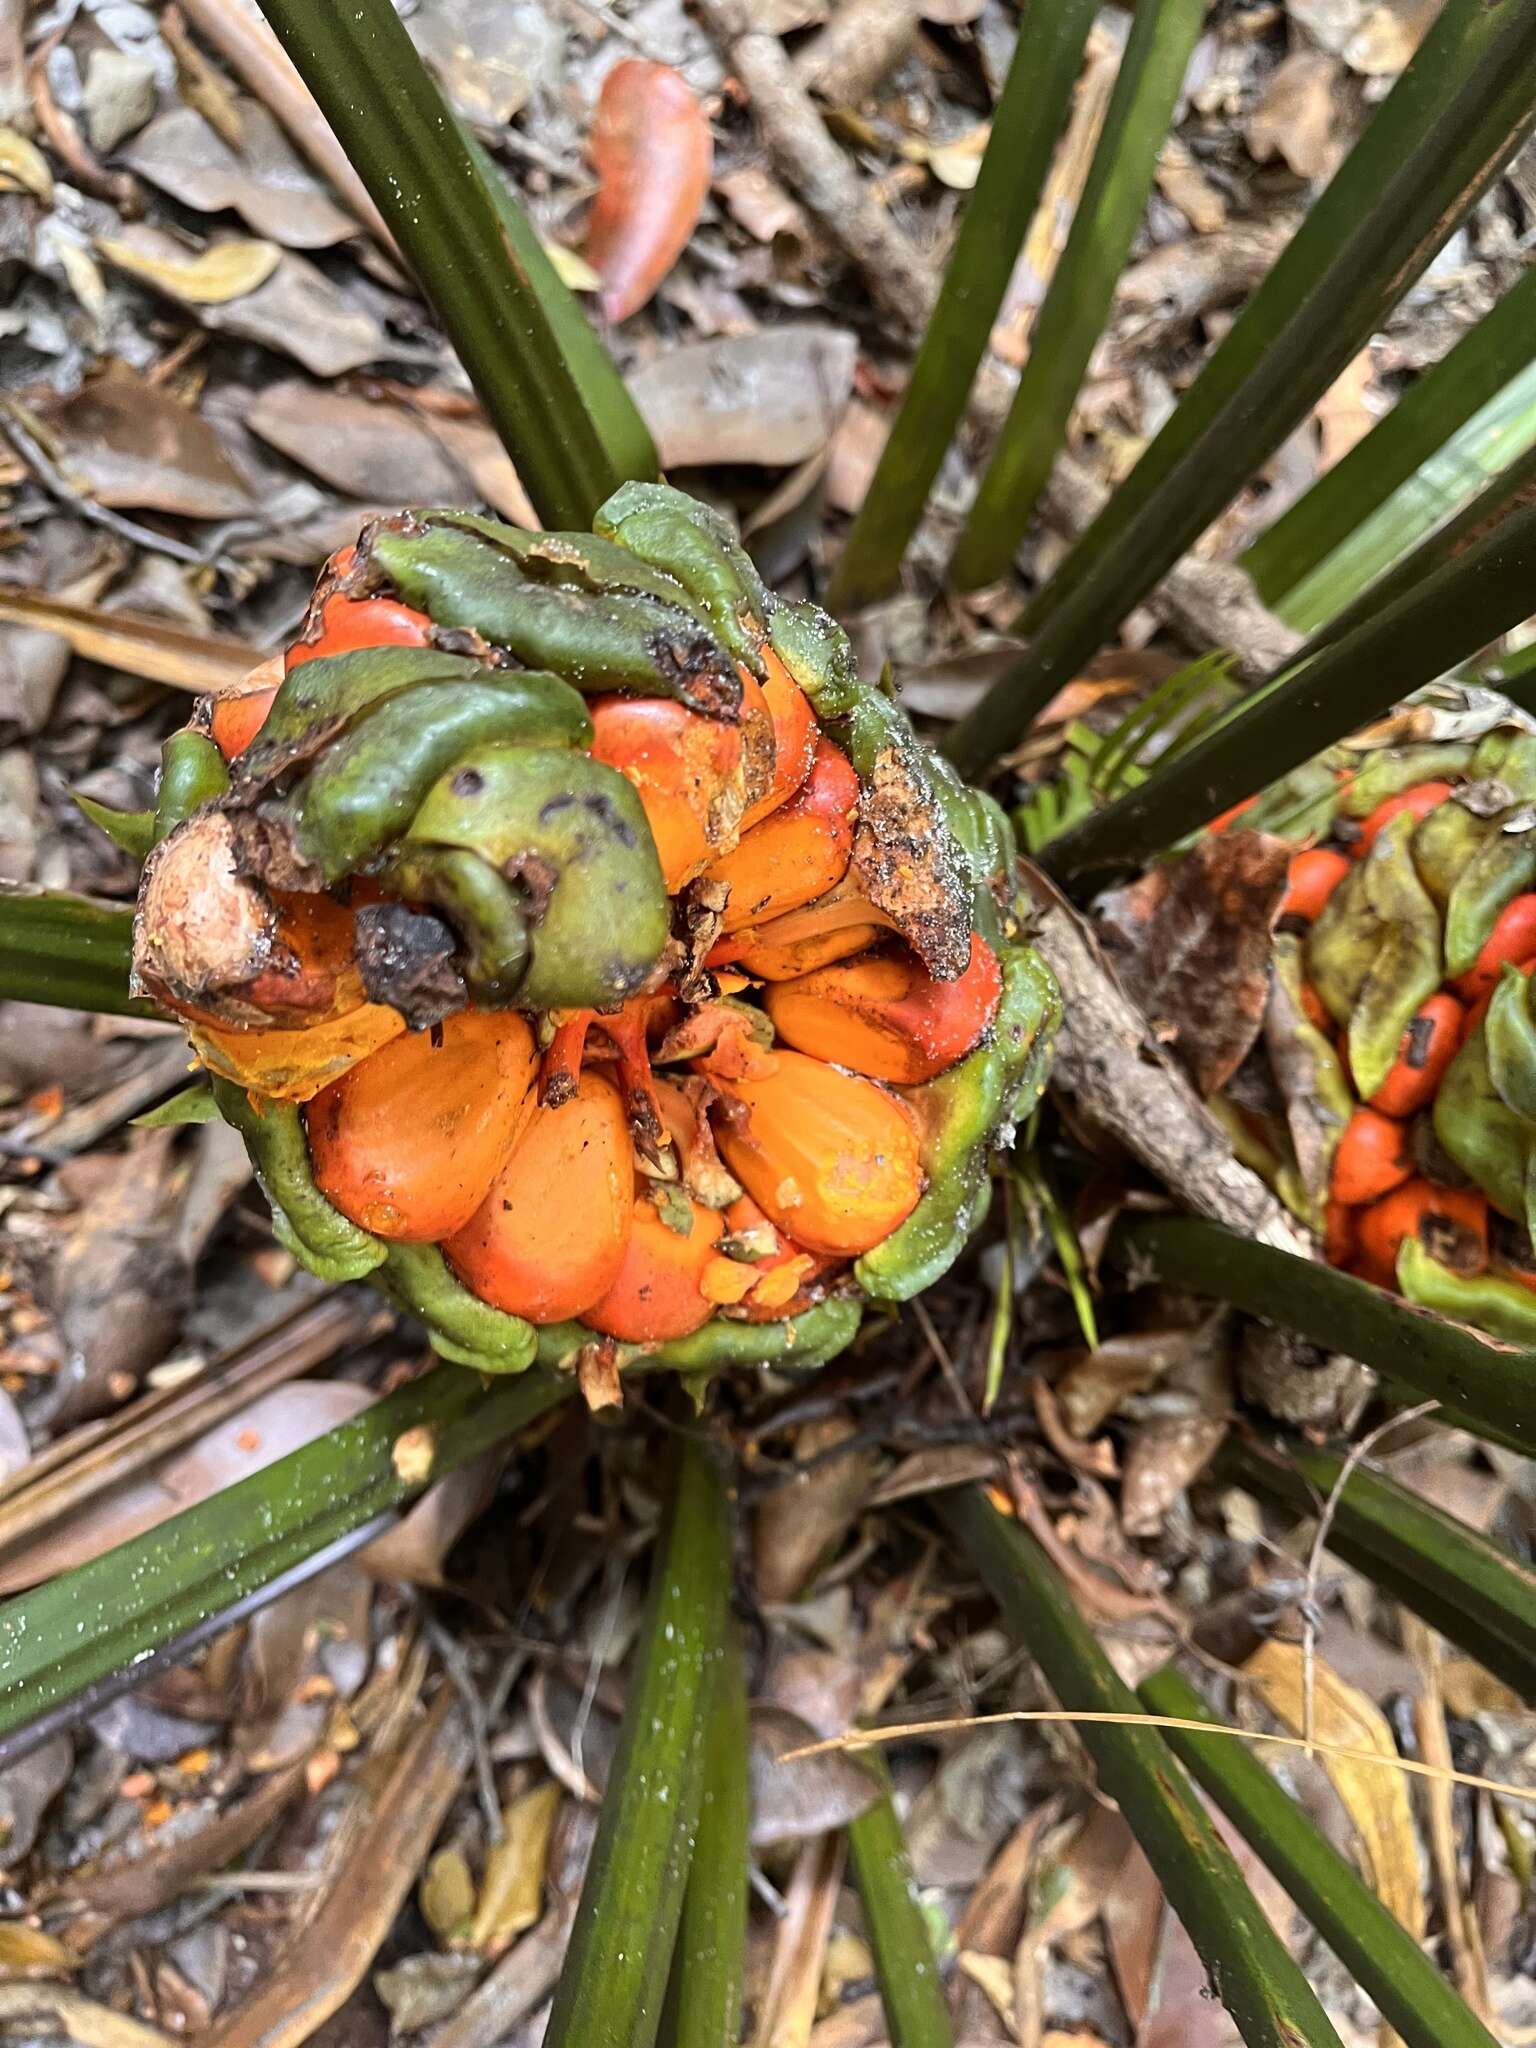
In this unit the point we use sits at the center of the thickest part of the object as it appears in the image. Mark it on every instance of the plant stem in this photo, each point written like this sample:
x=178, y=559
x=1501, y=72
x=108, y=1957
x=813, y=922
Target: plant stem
x=1078, y=302
x=1257, y=1978
x=1332, y=686
x=1456, y=115
x=120, y=1608
x=1477, y=1381
x=611, y=1988
x=1379, y=1952
x=916, y=2015
x=1430, y=416
x=67, y=950
x=391, y=120
x=1030, y=114
x=704, y=1996
x=625, y=436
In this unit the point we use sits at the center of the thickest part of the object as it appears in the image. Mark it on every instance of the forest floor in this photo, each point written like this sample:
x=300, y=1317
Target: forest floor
x=212, y=374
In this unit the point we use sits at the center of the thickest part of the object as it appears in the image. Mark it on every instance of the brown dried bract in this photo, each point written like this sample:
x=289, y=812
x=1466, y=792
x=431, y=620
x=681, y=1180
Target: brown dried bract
x=1191, y=940
x=901, y=863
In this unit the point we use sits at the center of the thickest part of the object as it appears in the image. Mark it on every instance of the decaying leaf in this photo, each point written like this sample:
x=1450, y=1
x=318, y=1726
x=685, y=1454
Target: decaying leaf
x=446, y=1894
x=803, y=1521
x=1294, y=119
x=511, y=1895
x=794, y=1802
x=120, y=1284
x=23, y=167
x=133, y=443
x=1191, y=941
x=1165, y=1455
x=1092, y=1388
x=140, y=647
x=27, y=1790
x=653, y=153
x=1376, y=1798
x=487, y=53
x=266, y=183
x=286, y=302
x=772, y=399
x=222, y=271
x=387, y=454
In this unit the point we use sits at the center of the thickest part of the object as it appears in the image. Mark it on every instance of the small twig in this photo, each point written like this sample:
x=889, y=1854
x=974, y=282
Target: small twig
x=1356, y=1456
x=614, y=1571
x=1124, y=1083
x=54, y=481
x=455, y=1662
x=898, y=276
x=67, y=143
x=942, y=1353
x=1341, y=1752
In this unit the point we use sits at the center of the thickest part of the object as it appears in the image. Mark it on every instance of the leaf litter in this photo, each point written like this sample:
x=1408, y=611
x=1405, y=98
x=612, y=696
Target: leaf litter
x=210, y=1843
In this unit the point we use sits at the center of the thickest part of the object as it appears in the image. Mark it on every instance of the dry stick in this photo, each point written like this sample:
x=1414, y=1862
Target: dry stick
x=1358, y=1453
x=1125, y=1084
x=259, y=60
x=862, y=43
x=101, y=1454
x=1341, y=1752
x=898, y=277
x=322, y=1966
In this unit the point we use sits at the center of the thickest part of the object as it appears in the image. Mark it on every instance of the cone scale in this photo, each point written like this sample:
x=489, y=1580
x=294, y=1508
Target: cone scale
x=1403, y=965
x=587, y=956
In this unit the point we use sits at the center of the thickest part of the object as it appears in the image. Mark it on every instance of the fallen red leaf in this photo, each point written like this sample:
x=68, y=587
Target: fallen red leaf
x=654, y=157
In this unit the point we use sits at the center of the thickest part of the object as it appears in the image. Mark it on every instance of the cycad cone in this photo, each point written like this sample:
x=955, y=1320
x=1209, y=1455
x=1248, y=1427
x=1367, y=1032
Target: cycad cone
x=587, y=954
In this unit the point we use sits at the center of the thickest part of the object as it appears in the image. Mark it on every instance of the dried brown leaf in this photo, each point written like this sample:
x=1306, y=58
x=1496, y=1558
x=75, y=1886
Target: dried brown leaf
x=291, y=307
x=415, y=1550
x=446, y=1894
x=140, y=647
x=1294, y=119
x=803, y=1521
x=1191, y=941
x=1377, y=1800
x=771, y=399
x=221, y=272
x=1165, y=1455
x=27, y=1790
x=130, y=442
x=512, y=1894
x=265, y=182
x=385, y=454
x=793, y=1802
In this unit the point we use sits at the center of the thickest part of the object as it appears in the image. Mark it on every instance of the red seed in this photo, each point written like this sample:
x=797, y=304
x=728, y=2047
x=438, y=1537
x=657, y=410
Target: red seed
x=1312, y=878
x=1424, y=1052
x=1423, y=798
x=1513, y=938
